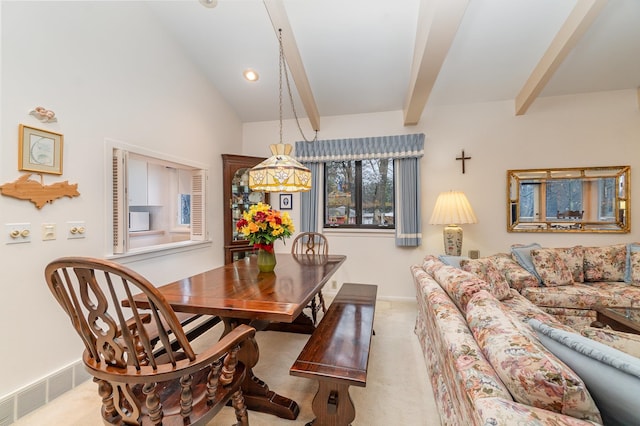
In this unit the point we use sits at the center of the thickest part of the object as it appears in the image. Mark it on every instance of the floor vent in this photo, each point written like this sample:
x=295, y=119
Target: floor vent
x=38, y=394
x=31, y=398
x=6, y=412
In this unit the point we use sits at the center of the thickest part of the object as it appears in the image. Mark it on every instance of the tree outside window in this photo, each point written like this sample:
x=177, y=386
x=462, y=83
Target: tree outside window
x=359, y=194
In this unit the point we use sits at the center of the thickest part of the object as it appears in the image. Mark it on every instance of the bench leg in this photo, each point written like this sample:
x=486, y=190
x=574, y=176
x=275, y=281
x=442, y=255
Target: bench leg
x=332, y=405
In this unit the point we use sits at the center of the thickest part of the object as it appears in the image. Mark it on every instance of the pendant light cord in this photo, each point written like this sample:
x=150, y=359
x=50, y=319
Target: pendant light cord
x=283, y=67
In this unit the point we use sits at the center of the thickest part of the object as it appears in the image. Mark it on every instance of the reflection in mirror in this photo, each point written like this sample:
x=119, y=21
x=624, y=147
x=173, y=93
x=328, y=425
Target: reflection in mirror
x=588, y=199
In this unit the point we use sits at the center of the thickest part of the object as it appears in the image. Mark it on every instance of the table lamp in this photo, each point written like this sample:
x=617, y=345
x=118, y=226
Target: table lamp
x=452, y=208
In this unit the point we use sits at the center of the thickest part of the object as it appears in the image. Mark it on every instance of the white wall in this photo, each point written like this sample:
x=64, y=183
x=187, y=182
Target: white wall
x=600, y=129
x=108, y=71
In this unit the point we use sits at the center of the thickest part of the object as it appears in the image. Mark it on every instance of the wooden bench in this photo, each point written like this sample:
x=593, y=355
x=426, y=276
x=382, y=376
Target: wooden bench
x=337, y=353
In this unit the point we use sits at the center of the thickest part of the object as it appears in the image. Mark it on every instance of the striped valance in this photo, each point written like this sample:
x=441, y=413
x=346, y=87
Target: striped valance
x=399, y=146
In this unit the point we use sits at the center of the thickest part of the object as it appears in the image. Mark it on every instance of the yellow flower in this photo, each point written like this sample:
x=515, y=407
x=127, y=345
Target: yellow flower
x=262, y=225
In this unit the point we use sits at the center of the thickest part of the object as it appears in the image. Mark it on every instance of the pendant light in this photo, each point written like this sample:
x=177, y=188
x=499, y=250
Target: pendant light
x=281, y=172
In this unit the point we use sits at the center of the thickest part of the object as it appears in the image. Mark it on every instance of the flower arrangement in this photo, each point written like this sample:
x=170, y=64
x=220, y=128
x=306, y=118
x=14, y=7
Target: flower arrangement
x=262, y=225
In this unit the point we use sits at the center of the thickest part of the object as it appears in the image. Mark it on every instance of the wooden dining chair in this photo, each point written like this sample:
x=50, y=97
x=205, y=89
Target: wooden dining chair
x=140, y=356
x=312, y=243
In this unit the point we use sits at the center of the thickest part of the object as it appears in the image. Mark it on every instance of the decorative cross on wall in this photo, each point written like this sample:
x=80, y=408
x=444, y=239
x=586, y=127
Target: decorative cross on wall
x=463, y=158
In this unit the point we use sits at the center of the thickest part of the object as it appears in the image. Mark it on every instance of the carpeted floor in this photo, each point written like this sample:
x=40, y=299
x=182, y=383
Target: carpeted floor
x=398, y=391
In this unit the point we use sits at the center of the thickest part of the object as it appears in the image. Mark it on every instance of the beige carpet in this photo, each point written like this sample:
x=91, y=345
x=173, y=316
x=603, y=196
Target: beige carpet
x=398, y=391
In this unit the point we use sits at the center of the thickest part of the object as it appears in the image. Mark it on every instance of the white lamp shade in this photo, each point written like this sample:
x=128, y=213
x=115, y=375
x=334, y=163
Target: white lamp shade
x=452, y=207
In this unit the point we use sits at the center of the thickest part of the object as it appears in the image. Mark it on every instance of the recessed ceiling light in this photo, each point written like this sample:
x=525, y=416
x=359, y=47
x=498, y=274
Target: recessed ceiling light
x=251, y=75
x=209, y=3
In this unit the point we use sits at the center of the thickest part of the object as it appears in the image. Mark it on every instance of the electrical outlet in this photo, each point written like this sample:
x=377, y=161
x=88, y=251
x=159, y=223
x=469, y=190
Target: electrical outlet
x=474, y=254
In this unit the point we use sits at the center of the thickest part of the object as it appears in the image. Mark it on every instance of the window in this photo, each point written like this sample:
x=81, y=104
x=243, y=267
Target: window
x=563, y=195
x=158, y=201
x=359, y=194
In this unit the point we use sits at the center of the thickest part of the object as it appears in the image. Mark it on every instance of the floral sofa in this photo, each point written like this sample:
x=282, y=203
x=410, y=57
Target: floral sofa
x=487, y=365
x=569, y=282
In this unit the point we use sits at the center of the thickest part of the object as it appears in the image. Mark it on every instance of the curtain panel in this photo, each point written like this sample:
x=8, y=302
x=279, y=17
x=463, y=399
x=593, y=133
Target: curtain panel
x=406, y=150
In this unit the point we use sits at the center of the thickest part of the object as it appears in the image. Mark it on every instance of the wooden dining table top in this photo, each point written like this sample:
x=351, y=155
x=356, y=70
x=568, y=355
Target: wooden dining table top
x=240, y=290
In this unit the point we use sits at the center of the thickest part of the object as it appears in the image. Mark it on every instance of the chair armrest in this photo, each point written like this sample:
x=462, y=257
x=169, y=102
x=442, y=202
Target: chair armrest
x=242, y=333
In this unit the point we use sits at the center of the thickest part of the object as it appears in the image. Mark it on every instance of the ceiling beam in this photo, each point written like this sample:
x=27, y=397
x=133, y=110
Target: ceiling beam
x=577, y=23
x=438, y=23
x=280, y=21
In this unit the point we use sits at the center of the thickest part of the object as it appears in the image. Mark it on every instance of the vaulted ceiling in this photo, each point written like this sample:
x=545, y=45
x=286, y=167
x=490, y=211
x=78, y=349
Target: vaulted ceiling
x=363, y=56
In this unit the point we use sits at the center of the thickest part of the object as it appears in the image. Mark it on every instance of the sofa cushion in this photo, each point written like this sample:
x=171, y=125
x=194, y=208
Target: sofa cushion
x=574, y=259
x=613, y=377
x=522, y=254
x=460, y=285
x=551, y=267
x=487, y=271
x=500, y=411
x=533, y=375
x=606, y=263
x=515, y=274
x=626, y=342
x=634, y=267
x=584, y=296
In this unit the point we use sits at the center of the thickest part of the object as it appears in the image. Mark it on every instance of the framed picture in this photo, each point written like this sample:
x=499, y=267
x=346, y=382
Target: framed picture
x=40, y=150
x=286, y=201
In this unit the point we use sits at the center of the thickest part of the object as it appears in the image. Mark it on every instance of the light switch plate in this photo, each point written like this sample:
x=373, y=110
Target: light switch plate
x=76, y=229
x=16, y=233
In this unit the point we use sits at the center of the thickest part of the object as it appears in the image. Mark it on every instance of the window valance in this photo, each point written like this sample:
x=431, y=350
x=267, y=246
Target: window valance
x=399, y=146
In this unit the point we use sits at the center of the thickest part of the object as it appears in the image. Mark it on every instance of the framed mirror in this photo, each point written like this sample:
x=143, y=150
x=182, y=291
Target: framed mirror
x=587, y=199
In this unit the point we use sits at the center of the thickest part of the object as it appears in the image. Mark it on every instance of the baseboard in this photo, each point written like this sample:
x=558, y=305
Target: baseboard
x=37, y=394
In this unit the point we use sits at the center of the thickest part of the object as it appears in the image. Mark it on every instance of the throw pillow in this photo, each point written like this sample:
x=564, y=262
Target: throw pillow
x=634, y=266
x=452, y=260
x=533, y=375
x=605, y=263
x=574, y=259
x=516, y=275
x=631, y=248
x=487, y=271
x=551, y=267
x=522, y=255
x=613, y=377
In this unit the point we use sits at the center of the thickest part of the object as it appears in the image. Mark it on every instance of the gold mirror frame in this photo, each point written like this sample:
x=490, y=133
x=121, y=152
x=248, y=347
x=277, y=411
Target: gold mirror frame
x=578, y=199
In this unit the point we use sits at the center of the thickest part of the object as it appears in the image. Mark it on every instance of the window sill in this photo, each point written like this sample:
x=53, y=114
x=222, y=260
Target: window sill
x=359, y=231
x=144, y=253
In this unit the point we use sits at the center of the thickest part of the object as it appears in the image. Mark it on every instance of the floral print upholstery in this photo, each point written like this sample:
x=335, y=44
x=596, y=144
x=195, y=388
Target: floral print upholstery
x=584, y=296
x=533, y=375
x=516, y=275
x=459, y=372
x=625, y=342
x=634, y=265
x=460, y=285
x=551, y=267
x=605, y=263
x=487, y=271
x=467, y=388
x=498, y=411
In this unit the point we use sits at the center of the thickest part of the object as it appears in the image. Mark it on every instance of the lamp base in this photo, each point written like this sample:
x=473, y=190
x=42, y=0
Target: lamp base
x=452, y=240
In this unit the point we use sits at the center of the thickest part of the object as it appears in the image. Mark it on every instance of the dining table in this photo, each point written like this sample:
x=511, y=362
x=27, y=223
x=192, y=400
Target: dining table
x=239, y=293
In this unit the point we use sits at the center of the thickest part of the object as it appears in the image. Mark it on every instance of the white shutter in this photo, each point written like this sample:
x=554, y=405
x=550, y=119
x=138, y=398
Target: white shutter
x=198, y=205
x=120, y=204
